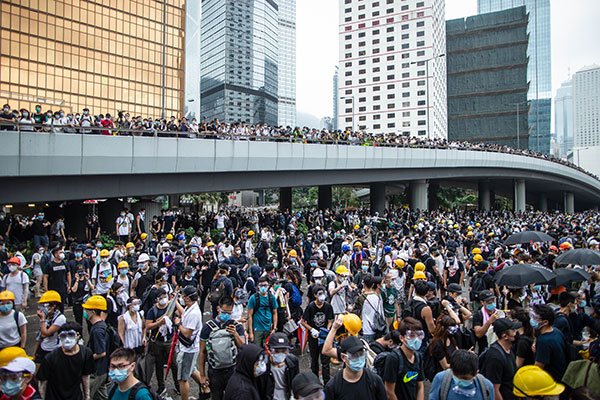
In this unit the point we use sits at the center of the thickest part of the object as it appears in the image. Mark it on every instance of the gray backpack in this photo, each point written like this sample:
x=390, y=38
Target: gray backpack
x=220, y=347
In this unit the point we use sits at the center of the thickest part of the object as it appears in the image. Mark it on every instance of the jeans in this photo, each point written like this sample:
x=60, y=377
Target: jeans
x=218, y=379
x=315, y=354
x=40, y=240
x=78, y=313
x=160, y=351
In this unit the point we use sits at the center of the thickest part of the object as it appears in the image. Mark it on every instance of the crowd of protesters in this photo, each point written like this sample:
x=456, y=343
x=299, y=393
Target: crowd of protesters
x=124, y=124
x=380, y=303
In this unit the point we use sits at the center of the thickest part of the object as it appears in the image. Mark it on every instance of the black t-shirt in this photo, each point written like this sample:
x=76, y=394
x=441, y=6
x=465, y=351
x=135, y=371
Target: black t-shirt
x=523, y=349
x=318, y=317
x=454, y=273
x=63, y=373
x=500, y=368
x=512, y=304
x=144, y=280
x=98, y=344
x=478, y=321
x=74, y=266
x=404, y=374
x=368, y=387
x=38, y=228
x=440, y=351
x=377, y=347
x=57, y=276
x=153, y=314
x=208, y=274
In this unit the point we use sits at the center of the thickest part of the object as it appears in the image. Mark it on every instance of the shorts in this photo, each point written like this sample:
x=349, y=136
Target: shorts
x=37, y=271
x=186, y=363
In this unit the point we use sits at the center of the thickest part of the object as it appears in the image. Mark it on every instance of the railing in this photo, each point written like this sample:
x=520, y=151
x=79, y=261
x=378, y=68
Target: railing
x=94, y=130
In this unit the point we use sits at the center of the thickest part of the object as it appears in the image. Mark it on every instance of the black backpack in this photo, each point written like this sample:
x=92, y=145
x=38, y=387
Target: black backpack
x=413, y=309
x=483, y=356
x=477, y=285
x=114, y=340
x=133, y=392
x=217, y=289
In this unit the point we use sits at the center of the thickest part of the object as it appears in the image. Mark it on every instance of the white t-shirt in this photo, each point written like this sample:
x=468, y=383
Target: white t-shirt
x=51, y=342
x=192, y=319
x=10, y=332
x=123, y=223
x=338, y=300
x=104, y=274
x=16, y=284
x=372, y=303
x=279, y=381
x=220, y=221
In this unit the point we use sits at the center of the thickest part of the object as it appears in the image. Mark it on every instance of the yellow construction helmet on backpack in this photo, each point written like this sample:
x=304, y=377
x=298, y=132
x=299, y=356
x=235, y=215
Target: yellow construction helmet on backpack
x=420, y=275
x=420, y=267
x=532, y=381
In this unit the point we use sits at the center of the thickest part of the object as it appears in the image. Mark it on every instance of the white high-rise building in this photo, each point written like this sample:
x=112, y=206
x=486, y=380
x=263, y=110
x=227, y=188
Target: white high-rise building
x=586, y=106
x=287, y=63
x=392, y=67
x=563, y=117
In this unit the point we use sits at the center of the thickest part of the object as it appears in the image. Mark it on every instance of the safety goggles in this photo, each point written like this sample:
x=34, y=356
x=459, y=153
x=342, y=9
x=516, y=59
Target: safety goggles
x=225, y=312
x=415, y=335
x=136, y=303
x=355, y=356
x=534, y=316
x=12, y=376
x=67, y=335
x=319, y=395
x=119, y=366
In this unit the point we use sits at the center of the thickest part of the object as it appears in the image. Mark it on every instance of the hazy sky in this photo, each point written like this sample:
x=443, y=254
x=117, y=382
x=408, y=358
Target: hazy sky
x=575, y=30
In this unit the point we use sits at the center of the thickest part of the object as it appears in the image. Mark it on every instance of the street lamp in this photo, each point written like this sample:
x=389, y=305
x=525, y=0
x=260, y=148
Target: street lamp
x=518, y=127
x=427, y=79
x=350, y=97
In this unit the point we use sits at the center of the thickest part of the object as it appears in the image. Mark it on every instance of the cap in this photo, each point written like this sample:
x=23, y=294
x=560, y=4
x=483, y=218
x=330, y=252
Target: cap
x=486, y=295
x=504, y=324
x=351, y=345
x=242, y=296
x=305, y=384
x=279, y=340
x=190, y=291
x=20, y=364
x=454, y=288
x=431, y=286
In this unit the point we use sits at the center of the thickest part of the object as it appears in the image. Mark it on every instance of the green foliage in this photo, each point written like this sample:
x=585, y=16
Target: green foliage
x=215, y=234
x=189, y=233
x=305, y=197
x=302, y=228
x=452, y=198
x=345, y=197
x=108, y=240
x=336, y=226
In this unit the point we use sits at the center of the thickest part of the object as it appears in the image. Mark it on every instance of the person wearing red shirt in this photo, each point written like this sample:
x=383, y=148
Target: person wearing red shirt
x=107, y=123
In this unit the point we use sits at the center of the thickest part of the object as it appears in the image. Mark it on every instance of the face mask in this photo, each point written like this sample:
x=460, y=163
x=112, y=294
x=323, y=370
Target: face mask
x=224, y=317
x=85, y=315
x=11, y=388
x=276, y=287
x=163, y=301
x=365, y=268
x=61, y=256
x=68, y=343
x=261, y=368
x=6, y=308
x=358, y=363
x=38, y=109
x=414, y=344
x=123, y=271
x=322, y=298
x=462, y=383
x=85, y=112
x=263, y=289
x=25, y=114
x=78, y=255
x=194, y=251
x=583, y=304
x=238, y=252
x=490, y=307
x=534, y=324
x=5, y=110
x=62, y=114
x=278, y=358
x=118, y=375
x=103, y=259
x=318, y=281
x=292, y=259
x=135, y=308
x=99, y=245
x=122, y=215
x=12, y=268
x=41, y=217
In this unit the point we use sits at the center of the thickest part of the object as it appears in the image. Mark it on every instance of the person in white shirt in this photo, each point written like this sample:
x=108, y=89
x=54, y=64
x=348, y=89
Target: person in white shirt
x=17, y=282
x=372, y=305
x=123, y=227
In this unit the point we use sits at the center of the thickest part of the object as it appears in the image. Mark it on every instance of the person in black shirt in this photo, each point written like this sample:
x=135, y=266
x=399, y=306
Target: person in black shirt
x=523, y=347
x=39, y=229
x=6, y=116
x=389, y=342
x=144, y=277
x=57, y=276
x=208, y=268
x=81, y=288
x=160, y=339
x=95, y=309
x=499, y=364
x=318, y=314
x=188, y=278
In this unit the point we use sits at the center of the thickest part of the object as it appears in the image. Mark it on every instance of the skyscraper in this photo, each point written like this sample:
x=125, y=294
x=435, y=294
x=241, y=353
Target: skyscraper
x=586, y=106
x=539, y=71
x=336, y=77
x=239, y=61
x=105, y=55
x=287, y=63
x=192, y=59
x=392, y=71
x=563, y=117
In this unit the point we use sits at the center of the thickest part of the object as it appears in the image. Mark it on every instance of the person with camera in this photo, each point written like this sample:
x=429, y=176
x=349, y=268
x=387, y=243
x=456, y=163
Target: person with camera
x=82, y=287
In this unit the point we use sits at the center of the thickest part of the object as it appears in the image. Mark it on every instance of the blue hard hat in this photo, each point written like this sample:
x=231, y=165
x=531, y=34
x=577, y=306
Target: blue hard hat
x=387, y=249
x=346, y=247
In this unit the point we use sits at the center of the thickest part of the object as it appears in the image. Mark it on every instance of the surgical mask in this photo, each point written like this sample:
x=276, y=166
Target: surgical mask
x=68, y=343
x=122, y=214
x=261, y=368
x=534, y=324
x=85, y=315
x=263, y=289
x=163, y=301
x=414, y=344
x=25, y=114
x=463, y=388
x=194, y=251
x=61, y=256
x=6, y=110
x=12, y=268
x=358, y=363
x=6, y=308
x=490, y=307
x=11, y=388
x=118, y=375
x=583, y=304
x=123, y=271
x=278, y=358
x=78, y=254
x=104, y=259
x=322, y=298
x=365, y=268
x=318, y=281
x=292, y=259
x=99, y=245
x=135, y=308
x=224, y=317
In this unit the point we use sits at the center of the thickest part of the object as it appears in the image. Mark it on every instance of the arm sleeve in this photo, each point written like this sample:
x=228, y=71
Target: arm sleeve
x=477, y=319
x=380, y=393
x=22, y=319
x=273, y=302
x=251, y=302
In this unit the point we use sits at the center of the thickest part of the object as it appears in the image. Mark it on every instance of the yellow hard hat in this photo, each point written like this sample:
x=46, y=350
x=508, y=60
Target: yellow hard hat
x=129, y=245
x=95, y=303
x=420, y=275
x=123, y=264
x=455, y=225
x=352, y=323
x=532, y=381
x=357, y=244
x=169, y=236
x=415, y=227
x=476, y=250
x=477, y=258
x=50, y=295
x=421, y=219
x=420, y=267
x=10, y=353
x=210, y=244
x=144, y=236
x=342, y=270
x=250, y=233
x=293, y=253
x=443, y=221
x=399, y=263
x=104, y=253
x=470, y=228
x=491, y=234
x=478, y=225
x=470, y=233
x=7, y=295
x=356, y=226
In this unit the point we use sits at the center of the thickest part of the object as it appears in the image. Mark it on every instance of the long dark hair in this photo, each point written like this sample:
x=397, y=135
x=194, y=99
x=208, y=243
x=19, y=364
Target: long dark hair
x=441, y=333
x=522, y=316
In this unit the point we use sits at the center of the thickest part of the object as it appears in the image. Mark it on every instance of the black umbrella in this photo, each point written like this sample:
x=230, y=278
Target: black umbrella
x=579, y=257
x=527, y=237
x=568, y=275
x=523, y=274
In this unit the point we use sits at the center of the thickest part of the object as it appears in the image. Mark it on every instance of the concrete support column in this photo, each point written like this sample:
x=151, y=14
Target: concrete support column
x=377, y=197
x=519, y=195
x=434, y=203
x=543, y=202
x=492, y=199
x=285, y=199
x=418, y=195
x=484, y=196
x=173, y=200
x=260, y=201
x=325, y=196
x=569, y=203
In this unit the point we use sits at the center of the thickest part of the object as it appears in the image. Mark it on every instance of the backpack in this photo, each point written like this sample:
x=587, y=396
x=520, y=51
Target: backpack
x=429, y=364
x=477, y=285
x=133, y=392
x=447, y=381
x=465, y=338
x=114, y=340
x=358, y=304
x=370, y=354
x=296, y=297
x=379, y=325
x=257, y=304
x=220, y=347
x=483, y=355
x=413, y=309
x=16, y=316
x=216, y=291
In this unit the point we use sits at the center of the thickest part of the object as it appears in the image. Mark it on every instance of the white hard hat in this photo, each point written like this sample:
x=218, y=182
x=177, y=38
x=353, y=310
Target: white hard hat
x=318, y=273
